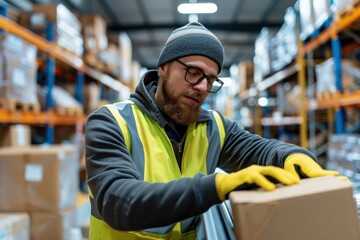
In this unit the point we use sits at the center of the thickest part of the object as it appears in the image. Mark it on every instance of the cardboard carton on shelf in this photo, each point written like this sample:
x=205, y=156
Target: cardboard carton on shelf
x=17, y=135
x=61, y=224
x=94, y=33
x=18, y=80
x=317, y=208
x=246, y=75
x=67, y=26
x=55, y=13
x=123, y=41
x=91, y=97
x=38, y=178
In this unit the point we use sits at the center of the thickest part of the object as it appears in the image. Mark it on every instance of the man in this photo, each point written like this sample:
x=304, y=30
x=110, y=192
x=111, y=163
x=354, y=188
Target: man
x=151, y=159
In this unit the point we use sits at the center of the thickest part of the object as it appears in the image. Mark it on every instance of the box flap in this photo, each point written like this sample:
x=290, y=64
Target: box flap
x=306, y=187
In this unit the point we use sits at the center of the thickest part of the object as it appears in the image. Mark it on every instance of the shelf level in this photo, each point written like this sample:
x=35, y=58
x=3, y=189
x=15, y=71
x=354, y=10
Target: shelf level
x=338, y=25
x=58, y=120
x=41, y=118
x=105, y=79
x=335, y=101
x=58, y=53
x=42, y=44
x=277, y=77
x=270, y=81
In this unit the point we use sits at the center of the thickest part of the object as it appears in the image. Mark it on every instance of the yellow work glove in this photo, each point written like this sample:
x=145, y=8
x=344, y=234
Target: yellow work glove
x=255, y=174
x=303, y=166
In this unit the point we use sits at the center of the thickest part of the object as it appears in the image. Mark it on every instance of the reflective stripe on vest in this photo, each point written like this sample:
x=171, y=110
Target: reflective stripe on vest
x=154, y=157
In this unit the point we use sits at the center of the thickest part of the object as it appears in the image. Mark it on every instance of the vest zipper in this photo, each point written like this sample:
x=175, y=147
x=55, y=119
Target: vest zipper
x=178, y=148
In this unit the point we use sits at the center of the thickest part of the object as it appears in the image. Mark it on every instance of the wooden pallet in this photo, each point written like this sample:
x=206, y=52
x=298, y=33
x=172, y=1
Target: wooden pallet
x=15, y=105
x=326, y=96
x=94, y=62
x=69, y=111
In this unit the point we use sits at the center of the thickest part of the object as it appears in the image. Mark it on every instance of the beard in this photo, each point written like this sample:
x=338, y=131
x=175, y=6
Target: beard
x=177, y=113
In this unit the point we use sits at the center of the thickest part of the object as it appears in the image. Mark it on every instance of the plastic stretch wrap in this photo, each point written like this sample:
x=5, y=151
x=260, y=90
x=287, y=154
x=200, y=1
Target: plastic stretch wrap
x=306, y=18
x=339, y=5
x=262, y=59
x=14, y=226
x=322, y=12
x=19, y=69
x=325, y=76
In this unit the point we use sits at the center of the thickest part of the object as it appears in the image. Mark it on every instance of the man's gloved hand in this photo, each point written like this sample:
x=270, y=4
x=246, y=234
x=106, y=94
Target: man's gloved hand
x=303, y=166
x=254, y=174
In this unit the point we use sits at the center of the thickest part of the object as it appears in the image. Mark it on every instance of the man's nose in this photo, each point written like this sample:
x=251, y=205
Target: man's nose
x=202, y=85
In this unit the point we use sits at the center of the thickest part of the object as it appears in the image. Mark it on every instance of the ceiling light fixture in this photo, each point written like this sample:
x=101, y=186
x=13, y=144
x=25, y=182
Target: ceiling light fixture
x=193, y=18
x=197, y=8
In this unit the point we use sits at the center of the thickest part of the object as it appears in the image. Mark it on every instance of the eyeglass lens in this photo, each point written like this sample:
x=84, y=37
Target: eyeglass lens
x=194, y=76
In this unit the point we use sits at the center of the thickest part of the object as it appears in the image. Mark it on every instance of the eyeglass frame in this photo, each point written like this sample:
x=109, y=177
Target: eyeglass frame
x=201, y=78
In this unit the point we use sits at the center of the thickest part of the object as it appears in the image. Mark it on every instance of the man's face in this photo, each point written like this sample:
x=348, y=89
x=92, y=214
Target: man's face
x=177, y=99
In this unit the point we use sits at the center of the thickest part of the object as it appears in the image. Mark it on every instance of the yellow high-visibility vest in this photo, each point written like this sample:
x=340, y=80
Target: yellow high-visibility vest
x=153, y=153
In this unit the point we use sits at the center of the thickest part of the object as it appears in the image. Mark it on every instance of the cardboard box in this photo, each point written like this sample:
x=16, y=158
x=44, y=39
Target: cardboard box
x=14, y=226
x=67, y=27
x=55, y=13
x=62, y=225
x=317, y=208
x=53, y=225
x=92, y=97
x=246, y=75
x=94, y=33
x=38, y=179
x=18, y=74
x=17, y=135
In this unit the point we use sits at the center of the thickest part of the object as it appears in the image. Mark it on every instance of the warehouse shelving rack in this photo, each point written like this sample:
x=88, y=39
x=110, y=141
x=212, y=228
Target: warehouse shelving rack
x=335, y=103
x=331, y=34
x=50, y=118
x=262, y=122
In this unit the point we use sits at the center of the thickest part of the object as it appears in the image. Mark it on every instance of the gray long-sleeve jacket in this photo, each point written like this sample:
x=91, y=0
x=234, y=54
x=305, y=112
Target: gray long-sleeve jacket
x=126, y=202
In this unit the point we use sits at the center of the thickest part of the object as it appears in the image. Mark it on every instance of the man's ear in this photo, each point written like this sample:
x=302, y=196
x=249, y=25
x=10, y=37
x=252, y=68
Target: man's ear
x=162, y=68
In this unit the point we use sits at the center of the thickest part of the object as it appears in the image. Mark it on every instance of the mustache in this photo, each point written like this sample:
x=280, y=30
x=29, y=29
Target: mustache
x=196, y=96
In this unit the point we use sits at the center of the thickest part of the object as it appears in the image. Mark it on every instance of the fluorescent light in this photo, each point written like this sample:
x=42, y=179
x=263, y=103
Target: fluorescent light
x=193, y=18
x=195, y=8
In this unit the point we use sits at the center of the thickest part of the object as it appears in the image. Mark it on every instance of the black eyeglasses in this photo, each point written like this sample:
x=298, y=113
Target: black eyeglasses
x=194, y=75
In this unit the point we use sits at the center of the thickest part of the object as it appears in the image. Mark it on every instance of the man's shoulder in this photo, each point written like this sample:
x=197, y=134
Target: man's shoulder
x=208, y=115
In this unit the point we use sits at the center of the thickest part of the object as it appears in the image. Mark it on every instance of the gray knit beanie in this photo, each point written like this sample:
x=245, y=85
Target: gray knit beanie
x=192, y=39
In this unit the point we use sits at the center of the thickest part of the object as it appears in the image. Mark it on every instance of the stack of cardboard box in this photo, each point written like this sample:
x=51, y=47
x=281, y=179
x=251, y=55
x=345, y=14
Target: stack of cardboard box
x=17, y=74
x=95, y=39
x=66, y=25
x=40, y=186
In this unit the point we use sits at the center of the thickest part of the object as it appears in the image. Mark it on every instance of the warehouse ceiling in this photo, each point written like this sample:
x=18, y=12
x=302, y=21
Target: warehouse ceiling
x=149, y=22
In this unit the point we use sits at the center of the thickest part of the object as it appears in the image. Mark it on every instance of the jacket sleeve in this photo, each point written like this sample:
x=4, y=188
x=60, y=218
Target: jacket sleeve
x=242, y=149
x=122, y=198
